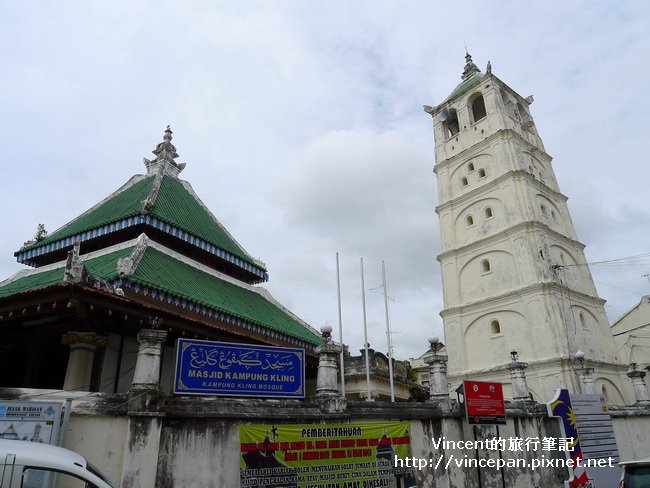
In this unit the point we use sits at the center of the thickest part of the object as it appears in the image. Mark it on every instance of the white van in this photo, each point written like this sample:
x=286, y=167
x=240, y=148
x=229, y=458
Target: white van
x=33, y=465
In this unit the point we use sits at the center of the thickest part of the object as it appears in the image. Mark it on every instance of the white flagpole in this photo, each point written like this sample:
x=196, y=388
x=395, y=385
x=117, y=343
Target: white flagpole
x=365, y=333
x=388, y=333
x=338, y=289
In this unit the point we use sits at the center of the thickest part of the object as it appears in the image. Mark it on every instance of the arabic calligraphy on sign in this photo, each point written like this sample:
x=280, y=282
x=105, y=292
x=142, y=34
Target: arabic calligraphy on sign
x=202, y=356
x=221, y=368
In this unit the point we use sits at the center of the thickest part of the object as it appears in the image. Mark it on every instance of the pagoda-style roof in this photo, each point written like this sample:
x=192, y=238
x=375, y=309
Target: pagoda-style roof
x=151, y=270
x=164, y=207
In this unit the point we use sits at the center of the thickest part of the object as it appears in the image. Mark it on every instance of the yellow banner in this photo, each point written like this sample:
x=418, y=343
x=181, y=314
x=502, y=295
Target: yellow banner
x=359, y=455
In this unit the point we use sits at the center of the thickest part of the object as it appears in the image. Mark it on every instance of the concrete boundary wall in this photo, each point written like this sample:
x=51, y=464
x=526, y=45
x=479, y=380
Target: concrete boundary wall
x=148, y=439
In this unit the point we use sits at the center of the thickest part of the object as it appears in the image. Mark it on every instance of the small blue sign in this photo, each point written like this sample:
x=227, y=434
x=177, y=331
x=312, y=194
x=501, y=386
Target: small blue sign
x=223, y=368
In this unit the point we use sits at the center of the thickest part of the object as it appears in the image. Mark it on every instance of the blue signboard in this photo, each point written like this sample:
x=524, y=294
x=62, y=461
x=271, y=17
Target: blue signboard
x=223, y=368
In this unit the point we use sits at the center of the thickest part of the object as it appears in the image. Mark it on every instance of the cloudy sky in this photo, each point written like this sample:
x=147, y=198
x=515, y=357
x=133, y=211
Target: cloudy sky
x=302, y=127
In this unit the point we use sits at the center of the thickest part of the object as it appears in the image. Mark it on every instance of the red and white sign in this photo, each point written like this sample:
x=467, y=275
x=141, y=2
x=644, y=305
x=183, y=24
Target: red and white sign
x=484, y=403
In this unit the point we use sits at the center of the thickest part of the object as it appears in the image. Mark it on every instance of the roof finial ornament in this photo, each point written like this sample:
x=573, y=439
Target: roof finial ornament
x=166, y=150
x=470, y=68
x=165, y=153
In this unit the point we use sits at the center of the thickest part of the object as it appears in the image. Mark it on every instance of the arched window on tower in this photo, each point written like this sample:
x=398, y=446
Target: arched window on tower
x=605, y=394
x=470, y=167
x=464, y=181
x=495, y=327
x=477, y=108
x=481, y=173
x=470, y=220
x=449, y=119
x=488, y=212
x=485, y=266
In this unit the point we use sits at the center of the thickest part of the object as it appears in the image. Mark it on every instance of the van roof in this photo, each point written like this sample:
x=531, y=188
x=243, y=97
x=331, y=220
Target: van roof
x=37, y=454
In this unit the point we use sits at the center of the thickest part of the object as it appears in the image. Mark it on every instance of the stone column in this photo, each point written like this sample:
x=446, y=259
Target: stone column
x=438, y=388
x=586, y=379
x=147, y=365
x=520, y=391
x=327, y=378
x=638, y=382
x=327, y=388
x=585, y=375
x=80, y=363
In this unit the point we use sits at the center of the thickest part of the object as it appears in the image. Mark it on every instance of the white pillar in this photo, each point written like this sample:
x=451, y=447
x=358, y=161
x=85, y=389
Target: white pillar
x=518, y=379
x=327, y=378
x=438, y=388
x=80, y=362
x=147, y=366
x=638, y=382
x=586, y=378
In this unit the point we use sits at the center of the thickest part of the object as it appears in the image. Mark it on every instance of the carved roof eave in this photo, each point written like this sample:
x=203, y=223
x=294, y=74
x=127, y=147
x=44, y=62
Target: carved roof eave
x=76, y=273
x=131, y=304
x=25, y=257
x=172, y=315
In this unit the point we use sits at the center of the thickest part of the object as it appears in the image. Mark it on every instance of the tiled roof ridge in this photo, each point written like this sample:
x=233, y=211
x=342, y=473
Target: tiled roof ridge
x=263, y=292
x=190, y=190
x=148, y=203
x=130, y=182
x=201, y=267
x=267, y=294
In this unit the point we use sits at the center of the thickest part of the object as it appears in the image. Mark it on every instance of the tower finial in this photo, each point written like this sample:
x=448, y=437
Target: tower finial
x=470, y=68
x=165, y=153
x=166, y=150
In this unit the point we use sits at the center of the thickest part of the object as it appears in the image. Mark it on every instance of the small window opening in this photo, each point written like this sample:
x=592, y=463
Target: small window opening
x=485, y=264
x=478, y=108
x=464, y=181
x=470, y=220
x=553, y=215
x=488, y=212
x=481, y=173
x=470, y=167
x=495, y=327
x=583, y=322
x=543, y=209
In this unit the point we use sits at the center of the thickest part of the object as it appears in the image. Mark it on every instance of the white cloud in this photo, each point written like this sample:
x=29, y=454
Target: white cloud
x=302, y=127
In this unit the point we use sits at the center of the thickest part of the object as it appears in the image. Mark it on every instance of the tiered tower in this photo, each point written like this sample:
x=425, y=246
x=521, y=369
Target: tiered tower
x=514, y=274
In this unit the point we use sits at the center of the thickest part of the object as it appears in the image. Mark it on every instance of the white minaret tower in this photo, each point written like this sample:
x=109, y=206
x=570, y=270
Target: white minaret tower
x=514, y=273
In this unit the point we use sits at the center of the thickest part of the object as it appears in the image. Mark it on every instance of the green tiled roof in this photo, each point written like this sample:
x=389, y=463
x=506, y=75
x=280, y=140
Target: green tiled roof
x=177, y=206
x=102, y=266
x=464, y=86
x=32, y=282
x=160, y=271
x=174, y=204
x=124, y=204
